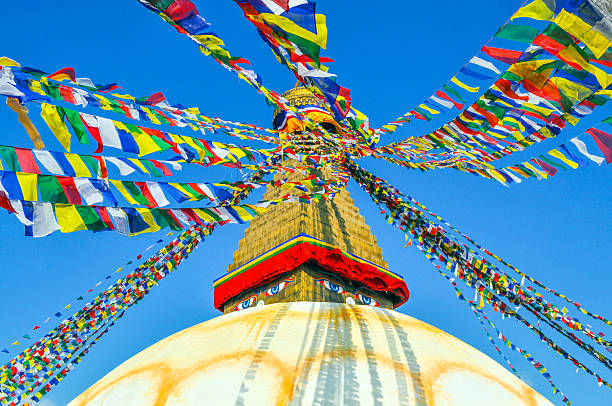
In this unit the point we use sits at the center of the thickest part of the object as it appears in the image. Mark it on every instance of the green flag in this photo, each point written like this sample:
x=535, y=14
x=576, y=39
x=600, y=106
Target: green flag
x=517, y=32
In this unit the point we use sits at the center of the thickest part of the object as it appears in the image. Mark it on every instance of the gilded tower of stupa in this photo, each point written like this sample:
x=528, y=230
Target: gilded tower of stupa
x=308, y=320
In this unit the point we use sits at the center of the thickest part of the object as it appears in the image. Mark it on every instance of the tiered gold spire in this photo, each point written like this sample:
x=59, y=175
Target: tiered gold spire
x=336, y=222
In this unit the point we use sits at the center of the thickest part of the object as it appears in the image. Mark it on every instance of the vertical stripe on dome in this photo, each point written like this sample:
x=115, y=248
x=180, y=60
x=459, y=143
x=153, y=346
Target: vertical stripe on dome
x=413, y=364
x=263, y=347
x=400, y=376
x=315, y=343
x=376, y=384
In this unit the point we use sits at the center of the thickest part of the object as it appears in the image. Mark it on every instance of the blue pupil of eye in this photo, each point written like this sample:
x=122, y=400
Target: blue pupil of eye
x=366, y=300
x=274, y=290
x=334, y=287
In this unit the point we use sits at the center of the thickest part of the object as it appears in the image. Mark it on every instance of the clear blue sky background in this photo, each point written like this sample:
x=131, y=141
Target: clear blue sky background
x=391, y=55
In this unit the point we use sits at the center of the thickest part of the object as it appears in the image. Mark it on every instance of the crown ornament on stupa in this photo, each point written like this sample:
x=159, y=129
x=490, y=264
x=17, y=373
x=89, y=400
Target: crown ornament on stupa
x=308, y=105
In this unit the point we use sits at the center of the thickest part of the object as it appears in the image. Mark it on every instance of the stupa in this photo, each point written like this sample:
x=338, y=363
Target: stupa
x=308, y=320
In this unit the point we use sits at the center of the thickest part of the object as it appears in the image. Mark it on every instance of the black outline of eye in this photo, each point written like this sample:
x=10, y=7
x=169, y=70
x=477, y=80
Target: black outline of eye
x=249, y=298
x=286, y=282
x=374, y=303
x=328, y=286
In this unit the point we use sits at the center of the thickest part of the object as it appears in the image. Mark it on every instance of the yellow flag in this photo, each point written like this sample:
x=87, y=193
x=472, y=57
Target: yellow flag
x=124, y=96
x=536, y=10
x=320, y=38
x=151, y=116
x=184, y=191
x=572, y=90
x=243, y=213
x=544, y=111
x=56, y=124
x=140, y=165
x=121, y=188
x=105, y=104
x=145, y=143
x=36, y=87
x=557, y=154
x=464, y=86
x=80, y=169
x=203, y=213
x=69, y=218
x=5, y=61
x=149, y=219
x=27, y=182
x=597, y=42
x=425, y=107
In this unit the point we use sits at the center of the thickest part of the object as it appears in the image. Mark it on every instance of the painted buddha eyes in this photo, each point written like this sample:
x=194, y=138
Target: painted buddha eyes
x=367, y=300
x=278, y=287
x=332, y=286
x=246, y=303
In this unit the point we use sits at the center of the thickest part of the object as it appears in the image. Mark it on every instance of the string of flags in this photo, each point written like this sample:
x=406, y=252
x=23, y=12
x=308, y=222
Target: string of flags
x=479, y=67
x=32, y=373
x=31, y=84
x=494, y=286
x=557, y=80
x=544, y=166
x=557, y=76
x=81, y=297
x=37, y=370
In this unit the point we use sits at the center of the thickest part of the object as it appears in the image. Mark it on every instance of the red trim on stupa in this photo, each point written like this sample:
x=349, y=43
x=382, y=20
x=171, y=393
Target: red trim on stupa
x=331, y=259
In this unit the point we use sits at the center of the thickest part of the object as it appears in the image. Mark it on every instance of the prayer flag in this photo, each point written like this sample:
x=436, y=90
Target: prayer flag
x=54, y=117
x=603, y=141
x=537, y=10
x=503, y=55
x=516, y=32
x=485, y=64
x=583, y=150
x=43, y=219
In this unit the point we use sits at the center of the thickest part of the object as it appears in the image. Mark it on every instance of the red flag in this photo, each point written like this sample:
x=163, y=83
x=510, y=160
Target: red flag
x=63, y=74
x=67, y=94
x=155, y=98
x=180, y=9
x=5, y=203
x=603, y=141
x=547, y=168
x=503, y=55
x=443, y=95
x=26, y=160
x=417, y=115
x=506, y=87
x=161, y=167
x=102, y=162
x=103, y=213
x=147, y=194
x=95, y=133
x=70, y=189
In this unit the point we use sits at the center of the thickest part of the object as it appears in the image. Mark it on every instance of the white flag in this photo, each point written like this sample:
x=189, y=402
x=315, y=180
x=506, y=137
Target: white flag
x=583, y=150
x=485, y=64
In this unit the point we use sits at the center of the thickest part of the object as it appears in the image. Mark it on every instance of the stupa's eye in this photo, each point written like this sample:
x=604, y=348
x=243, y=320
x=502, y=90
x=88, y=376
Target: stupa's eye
x=278, y=287
x=367, y=300
x=246, y=303
x=332, y=286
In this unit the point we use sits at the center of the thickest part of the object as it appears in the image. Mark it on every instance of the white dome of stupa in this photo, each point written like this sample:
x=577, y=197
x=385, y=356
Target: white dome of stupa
x=307, y=353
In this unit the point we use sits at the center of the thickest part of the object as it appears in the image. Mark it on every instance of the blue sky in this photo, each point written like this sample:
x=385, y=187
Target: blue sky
x=392, y=55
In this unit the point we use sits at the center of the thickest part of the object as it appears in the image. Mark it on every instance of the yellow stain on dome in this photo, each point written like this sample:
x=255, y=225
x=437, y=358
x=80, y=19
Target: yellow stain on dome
x=311, y=353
